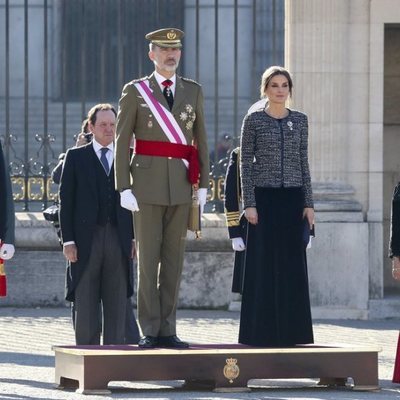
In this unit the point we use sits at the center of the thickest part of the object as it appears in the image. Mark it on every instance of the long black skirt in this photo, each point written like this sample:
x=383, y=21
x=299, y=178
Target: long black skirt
x=275, y=301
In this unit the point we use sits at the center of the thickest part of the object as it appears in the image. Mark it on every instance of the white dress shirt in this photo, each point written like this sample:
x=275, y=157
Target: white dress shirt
x=110, y=154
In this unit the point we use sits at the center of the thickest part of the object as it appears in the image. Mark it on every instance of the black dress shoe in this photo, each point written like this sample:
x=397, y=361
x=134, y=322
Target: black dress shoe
x=172, y=341
x=148, y=342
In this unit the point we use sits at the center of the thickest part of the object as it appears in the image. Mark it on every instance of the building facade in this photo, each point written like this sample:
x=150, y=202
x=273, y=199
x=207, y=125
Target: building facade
x=345, y=59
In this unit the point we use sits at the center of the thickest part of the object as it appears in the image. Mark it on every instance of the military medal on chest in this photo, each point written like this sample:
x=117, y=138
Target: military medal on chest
x=188, y=116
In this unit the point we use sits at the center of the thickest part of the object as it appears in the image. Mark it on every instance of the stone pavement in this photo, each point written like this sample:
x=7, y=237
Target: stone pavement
x=27, y=361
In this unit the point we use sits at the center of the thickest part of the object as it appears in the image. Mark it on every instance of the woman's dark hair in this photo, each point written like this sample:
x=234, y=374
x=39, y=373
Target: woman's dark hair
x=269, y=73
x=85, y=126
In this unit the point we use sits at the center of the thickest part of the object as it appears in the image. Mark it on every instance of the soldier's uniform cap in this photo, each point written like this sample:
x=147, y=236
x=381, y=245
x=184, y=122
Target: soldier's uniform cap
x=167, y=37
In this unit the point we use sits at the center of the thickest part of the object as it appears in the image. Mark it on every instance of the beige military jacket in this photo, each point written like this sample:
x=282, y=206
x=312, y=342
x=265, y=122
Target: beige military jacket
x=159, y=180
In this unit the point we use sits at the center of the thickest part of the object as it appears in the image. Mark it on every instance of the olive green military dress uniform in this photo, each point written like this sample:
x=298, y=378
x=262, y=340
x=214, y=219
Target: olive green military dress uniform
x=163, y=192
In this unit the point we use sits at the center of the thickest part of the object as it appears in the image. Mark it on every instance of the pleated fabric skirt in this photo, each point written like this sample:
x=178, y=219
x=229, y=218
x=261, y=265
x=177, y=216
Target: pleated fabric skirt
x=275, y=301
x=396, y=372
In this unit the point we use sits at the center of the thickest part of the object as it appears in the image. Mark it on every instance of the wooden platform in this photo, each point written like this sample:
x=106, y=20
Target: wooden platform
x=89, y=369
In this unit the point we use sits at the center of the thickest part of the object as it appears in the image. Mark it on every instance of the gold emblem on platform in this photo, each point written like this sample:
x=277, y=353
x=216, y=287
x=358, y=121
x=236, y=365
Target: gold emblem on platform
x=231, y=369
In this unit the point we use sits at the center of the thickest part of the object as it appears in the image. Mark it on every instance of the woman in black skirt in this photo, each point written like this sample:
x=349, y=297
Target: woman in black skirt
x=277, y=198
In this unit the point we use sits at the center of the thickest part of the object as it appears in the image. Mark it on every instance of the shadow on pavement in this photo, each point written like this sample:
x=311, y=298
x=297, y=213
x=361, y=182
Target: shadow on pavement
x=372, y=324
x=34, y=360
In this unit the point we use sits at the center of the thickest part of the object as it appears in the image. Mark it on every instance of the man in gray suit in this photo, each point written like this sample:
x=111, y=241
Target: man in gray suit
x=97, y=234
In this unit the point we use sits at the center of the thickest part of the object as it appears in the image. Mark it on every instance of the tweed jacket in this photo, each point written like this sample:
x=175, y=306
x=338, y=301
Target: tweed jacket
x=274, y=153
x=159, y=180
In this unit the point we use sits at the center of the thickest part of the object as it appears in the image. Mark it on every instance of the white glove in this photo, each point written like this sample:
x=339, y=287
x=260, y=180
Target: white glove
x=7, y=251
x=202, y=196
x=128, y=200
x=238, y=244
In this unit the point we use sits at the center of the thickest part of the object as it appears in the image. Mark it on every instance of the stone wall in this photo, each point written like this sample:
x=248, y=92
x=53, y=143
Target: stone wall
x=36, y=274
x=337, y=262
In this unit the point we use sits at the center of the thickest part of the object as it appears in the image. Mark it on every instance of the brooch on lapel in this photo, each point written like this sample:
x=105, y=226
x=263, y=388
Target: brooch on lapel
x=188, y=116
x=290, y=125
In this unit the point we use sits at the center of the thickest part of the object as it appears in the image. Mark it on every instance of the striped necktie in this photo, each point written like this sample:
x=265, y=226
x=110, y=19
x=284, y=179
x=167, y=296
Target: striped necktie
x=104, y=160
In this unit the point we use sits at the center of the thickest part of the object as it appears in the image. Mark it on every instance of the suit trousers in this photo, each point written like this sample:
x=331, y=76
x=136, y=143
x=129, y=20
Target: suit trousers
x=160, y=233
x=132, y=334
x=105, y=280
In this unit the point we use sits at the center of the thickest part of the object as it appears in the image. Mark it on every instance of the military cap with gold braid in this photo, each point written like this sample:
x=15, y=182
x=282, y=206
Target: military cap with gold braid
x=167, y=37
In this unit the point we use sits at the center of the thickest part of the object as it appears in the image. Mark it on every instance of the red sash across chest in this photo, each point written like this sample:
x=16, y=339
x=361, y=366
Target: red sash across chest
x=174, y=150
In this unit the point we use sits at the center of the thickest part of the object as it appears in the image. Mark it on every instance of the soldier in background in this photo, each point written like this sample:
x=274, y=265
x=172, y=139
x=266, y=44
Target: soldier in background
x=238, y=227
x=236, y=223
x=7, y=215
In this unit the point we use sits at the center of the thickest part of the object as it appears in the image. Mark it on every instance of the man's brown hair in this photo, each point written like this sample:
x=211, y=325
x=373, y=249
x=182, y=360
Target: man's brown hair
x=92, y=114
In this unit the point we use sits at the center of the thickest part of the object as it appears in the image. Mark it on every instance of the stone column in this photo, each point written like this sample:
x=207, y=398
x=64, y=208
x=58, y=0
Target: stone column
x=326, y=50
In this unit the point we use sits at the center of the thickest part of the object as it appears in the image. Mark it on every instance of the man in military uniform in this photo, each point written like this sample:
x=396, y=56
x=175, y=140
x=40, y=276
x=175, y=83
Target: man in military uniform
x=164, y=113
x=237, y=224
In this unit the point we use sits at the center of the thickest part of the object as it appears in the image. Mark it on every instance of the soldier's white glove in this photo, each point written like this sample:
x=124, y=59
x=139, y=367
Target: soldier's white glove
x=238, y=244
x=128, y=200
x=202, y=196
x=7, y=251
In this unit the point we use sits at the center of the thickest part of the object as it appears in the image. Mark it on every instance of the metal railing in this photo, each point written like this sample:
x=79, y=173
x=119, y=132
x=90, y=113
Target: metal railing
x=70, y=54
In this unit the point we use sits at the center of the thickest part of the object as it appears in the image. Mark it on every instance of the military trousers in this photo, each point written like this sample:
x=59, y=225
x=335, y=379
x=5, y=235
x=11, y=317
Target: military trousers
x=160, y=234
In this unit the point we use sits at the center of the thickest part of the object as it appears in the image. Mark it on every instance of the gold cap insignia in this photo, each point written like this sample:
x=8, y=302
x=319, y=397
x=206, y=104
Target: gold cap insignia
x=171, y=35
x=168, y=37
